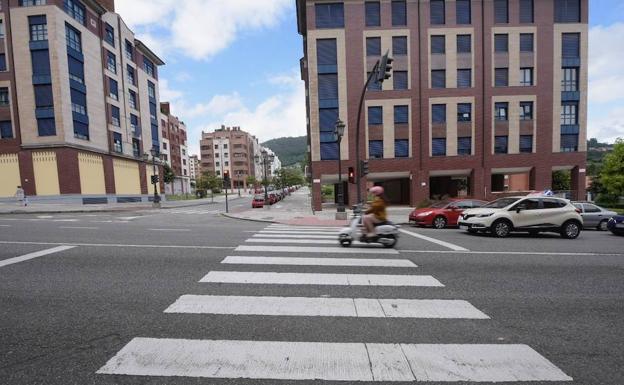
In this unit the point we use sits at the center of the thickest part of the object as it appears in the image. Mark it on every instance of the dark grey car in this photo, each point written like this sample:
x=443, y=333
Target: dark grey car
x=594, y=216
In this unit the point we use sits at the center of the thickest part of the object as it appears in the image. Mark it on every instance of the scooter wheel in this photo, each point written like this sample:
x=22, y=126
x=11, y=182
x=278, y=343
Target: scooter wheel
x=345, y=243
x=390, y=244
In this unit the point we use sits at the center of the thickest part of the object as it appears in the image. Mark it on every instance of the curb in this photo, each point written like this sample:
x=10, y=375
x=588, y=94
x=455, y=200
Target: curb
x=247, y=219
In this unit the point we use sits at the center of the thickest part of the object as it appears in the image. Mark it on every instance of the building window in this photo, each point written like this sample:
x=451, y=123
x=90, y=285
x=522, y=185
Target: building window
x=43, y=96
x=375, y=149
x=375, y=115
x=438, y=113
x=117, y=144
x=526, y=42
x=326, y=56
x=40, y=63
x=130, y=74
x=2, y=32
x=151, y=90
x=46, y=127
x=134, y=123
x=3, y=66
x=109, y=34
x=328, y=88
x=501, y=11
x=464, y=43
x=464, y=145
x=373, y=85
x=464, y=112
x=73, y=38
x=76, y=69
x=111, y=62
x=569, y=142
x=526, y=11
x=373, y=13
x=399, y=79
x=526, y=76
x=438, y=44
x=115, y=116
x=463, y=12
x=501, y=42
x=569, y=81
x=438, y=147
x=225, y=146
x=38, y=28
x=149, y=67
x=569, y=114
x=401, y=148
x=501, y=111
x=501, y=77
x=401, y=115
x=129, y=51
x=132, y=99
x=136, y=148
x=438, y=79
x=526, y=110
x=164, y=145
x=6, y=130
x=113, y=91
x=216, y=146
x=500, y=144
x=329, y=15
x=78, y=102
x=153, y=111
x=571, y=45
x=30, y=3
x=75, y=10
x=567, y=11
x=437, y=11
x=399, y=13
x=373, y=46
x=4, y=96
x=399, y=45
x=81, y=130
x=464, y=78
x=526, y=143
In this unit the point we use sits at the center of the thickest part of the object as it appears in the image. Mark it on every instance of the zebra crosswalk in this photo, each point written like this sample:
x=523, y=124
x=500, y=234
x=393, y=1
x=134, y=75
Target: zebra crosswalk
x=192, y=211
x=362, y=269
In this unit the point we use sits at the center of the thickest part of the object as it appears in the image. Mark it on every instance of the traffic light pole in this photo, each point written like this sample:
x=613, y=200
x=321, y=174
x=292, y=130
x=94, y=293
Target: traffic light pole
x=341, y=208
x=358, y=165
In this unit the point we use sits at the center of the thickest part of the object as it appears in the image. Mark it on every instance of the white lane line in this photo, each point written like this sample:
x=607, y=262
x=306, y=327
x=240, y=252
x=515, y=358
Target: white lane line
x=316, y=250
x=271, y=278
x=295, y=241
x=509, y=253
x=300, y=261
x=5, y=226
x=117, y=245
x=433, y=240
x=300, y=228
x=78, y=227
x=36, y=254
x=326, y=307
x=332, y=233
x=179, y=230
x=65, y=220
x=296, y=236
x=284, y=360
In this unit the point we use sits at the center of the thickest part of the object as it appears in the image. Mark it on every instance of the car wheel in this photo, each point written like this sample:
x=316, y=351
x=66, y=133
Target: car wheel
x=602, y=226
x=439, y=222
x=570, y=230
x=501, y=228
x=473, y=231
x=345, y=243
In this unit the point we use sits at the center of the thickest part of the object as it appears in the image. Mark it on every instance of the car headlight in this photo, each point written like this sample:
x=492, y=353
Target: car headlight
x=425, y=214
x=485, y=215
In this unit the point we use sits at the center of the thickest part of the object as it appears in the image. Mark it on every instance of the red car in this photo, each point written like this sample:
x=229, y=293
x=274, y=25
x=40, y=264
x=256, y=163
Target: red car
x=443, y=214
x=257, y=202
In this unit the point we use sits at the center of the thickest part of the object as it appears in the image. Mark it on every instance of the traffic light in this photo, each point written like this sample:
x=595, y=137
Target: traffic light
x=226, y=176
x=364, y=167
x=351, y=175
x=384, y=71
x=154, y=179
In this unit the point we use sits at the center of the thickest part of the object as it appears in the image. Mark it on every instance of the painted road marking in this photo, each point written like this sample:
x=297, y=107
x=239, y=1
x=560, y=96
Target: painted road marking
x=272, y=278
x=296, y=236
x=300, y=228
x=433, y=240
x=117, y=245
x=326, y=307
x=79, y=227
x=5, y=226
x=365, y=249
x=297, y=241
x=36, y=254
x=333, y=233
x=179, y=230
x=300, y=261
x=278, y=360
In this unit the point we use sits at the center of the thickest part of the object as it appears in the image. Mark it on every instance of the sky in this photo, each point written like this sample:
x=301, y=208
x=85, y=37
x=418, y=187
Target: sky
x=236, y=62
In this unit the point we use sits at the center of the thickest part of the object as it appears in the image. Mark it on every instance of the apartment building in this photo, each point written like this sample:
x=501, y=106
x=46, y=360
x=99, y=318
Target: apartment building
x=482, y=92
x=194, y=169
x=175, y=151
x=78, y=108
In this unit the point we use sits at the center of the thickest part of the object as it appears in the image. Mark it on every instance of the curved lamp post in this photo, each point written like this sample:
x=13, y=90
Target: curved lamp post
x=155, y=179
x=265, y=159
x=339, y=132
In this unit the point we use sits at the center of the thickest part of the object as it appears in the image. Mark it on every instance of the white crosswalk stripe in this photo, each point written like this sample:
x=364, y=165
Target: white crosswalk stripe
x=294, y=241
x=332, y=233
x=295, y=236
x=192, y=211
x=301, y=261
x=365, y=249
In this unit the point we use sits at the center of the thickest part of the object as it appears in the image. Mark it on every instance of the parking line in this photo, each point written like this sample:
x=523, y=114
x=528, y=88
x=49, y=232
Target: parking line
x=433, y=240
x=36, y=254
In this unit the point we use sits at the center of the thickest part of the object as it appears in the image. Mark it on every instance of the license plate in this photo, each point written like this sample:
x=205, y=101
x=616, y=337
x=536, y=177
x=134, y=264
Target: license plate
x=463, y=227
x=619, y=225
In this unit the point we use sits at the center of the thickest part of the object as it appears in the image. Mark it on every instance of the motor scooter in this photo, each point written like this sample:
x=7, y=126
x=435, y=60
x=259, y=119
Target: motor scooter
x=386, y=233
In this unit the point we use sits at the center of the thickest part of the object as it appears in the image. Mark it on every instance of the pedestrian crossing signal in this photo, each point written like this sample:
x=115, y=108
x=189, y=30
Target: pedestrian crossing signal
x=351, y=175
x=226, y=176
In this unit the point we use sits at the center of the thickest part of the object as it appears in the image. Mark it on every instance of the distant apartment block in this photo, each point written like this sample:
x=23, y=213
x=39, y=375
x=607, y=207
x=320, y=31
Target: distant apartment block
x=78, y=102
x=175, y=151
x=482, y=92
x=194, y=167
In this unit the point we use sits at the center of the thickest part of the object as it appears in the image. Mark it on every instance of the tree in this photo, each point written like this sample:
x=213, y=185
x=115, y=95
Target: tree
x=561, y=180
x=251, y=180
x=288, y=176
x=612, y=172
x=209, y=181
x=168, y=175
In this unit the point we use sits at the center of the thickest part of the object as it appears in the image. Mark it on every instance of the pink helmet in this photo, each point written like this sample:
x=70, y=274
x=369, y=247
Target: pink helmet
x=376, y=190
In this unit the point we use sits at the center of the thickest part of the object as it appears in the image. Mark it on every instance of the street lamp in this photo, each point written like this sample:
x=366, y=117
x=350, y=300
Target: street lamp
x=154, y=152
x=265, y=159
x=339, y=132
x=239, y=173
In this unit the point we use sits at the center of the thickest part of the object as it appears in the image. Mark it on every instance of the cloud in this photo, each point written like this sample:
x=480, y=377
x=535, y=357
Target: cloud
x=201, y=28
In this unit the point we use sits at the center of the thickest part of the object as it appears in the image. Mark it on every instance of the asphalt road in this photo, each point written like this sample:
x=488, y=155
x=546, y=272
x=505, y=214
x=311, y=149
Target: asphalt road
x=71, y=313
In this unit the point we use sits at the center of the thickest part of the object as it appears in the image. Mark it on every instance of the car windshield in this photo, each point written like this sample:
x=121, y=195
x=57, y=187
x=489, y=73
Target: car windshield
x=501, y=203
x=259, y=197
x=439, y=205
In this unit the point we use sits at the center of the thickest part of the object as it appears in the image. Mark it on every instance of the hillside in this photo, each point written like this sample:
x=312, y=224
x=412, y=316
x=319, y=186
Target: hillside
x=290, y=150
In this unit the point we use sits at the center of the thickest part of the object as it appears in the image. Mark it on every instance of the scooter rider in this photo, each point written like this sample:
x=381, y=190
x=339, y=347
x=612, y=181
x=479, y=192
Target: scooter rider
x=376, y=212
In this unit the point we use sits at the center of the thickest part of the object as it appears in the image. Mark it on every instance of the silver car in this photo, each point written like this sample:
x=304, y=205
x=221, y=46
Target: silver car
x=594, y=216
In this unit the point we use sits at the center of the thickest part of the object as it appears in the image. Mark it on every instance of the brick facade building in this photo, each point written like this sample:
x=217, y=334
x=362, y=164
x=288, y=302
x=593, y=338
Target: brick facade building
x=175, y=151
x=482, y=92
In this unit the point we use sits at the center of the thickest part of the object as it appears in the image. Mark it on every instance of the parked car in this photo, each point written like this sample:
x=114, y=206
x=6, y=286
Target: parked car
x=273, y=198
x=258, y=201
x=443, y=214
x=532, y=214
x=594, y=216
x=616, y=225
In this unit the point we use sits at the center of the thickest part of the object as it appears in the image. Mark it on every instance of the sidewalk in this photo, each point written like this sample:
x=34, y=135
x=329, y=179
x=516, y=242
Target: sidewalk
x=296, y=210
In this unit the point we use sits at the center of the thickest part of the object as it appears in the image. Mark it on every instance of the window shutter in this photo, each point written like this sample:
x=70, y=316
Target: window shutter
x=500, y=144
x=501, y=42
x=464, y=145
x=464, y=78
x=438, y=146
x=399, y=79
x=81, y=129
x=401, y=148
x=327, y=119
x=78, y=97
x=401, y=115
x=328, y=86
x=399, y=13
x=6, y=131
x=326, y=52
x=43, y=96
x=464, y=112
x=438, y=44
x=375, y=115
x=375, y=148
x=372, y=9
x=76, y=67
x=526, y=11
x=438, y=113
x=3, y=66
x=436, y=8
x=526, y=42
x=501, y=77
x=567, y=11
x=501, y=12
x=438, y=79
x=46, y=127
x=373, y=46
x=374, y=85
x=570, y=45
x=526, y=143
x=464, y=44
x=115, y=112
x=329, y=15
x=40, y=62
x=462, y=8
x=569, y=142
x=399, y=45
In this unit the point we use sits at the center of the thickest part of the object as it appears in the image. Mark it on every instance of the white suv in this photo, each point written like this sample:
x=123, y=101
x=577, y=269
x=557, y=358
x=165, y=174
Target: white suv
x=532, y=214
